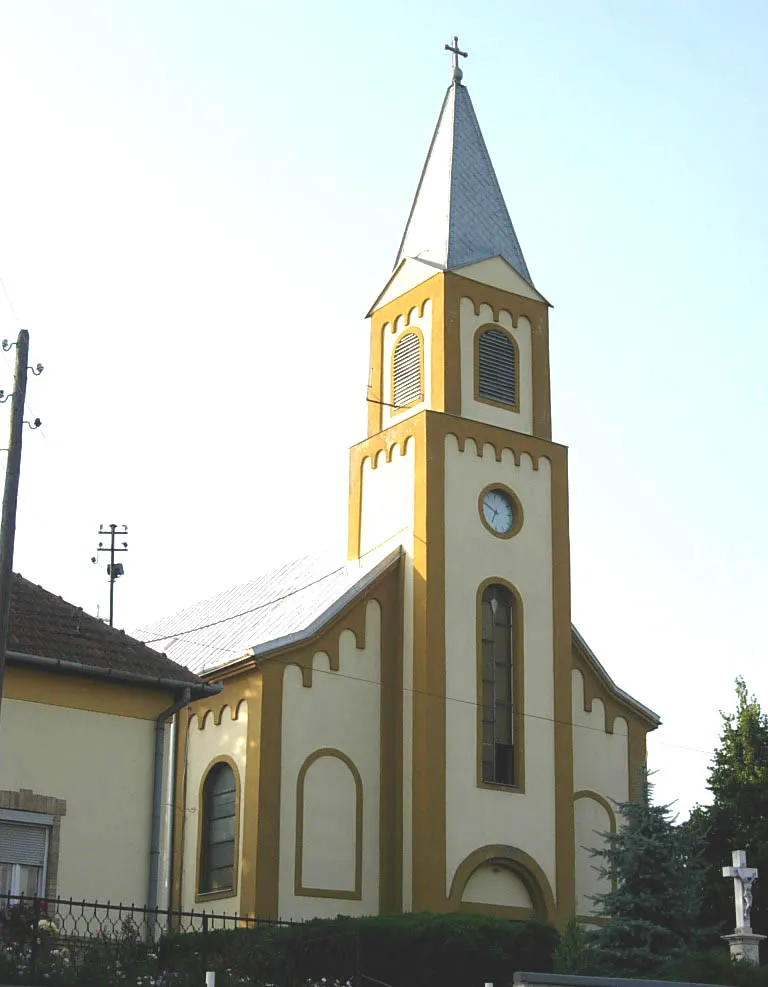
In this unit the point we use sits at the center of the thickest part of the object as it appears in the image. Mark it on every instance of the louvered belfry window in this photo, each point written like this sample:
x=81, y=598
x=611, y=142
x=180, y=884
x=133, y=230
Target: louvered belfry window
x=406, y=371
x=497, y=367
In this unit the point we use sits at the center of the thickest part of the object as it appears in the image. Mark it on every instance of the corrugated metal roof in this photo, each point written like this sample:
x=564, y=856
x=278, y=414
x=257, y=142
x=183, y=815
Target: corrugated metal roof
x=283, y=602
x=459, y=216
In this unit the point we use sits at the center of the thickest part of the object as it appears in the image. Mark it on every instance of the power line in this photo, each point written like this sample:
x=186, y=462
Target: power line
x=10, y=303
x=448, y=699
x=269, y=603
x=244, y=613
x=356, y=678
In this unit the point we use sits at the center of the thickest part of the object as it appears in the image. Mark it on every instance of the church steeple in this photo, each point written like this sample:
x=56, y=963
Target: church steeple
x=459, y=216
x=459, y=327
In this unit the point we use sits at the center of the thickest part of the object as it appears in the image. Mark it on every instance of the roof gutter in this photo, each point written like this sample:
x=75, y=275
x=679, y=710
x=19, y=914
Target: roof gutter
x=197, y=689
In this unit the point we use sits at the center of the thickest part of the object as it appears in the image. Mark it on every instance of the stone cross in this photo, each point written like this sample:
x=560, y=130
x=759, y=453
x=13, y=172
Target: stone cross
x=743, y=879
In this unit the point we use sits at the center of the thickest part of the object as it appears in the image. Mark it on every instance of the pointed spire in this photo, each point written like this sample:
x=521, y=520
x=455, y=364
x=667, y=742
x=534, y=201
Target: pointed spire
x=458, y=216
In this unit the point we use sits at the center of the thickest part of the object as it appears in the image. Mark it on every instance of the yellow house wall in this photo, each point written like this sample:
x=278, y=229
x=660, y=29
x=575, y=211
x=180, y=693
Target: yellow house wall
x=340, y=711
x=519, y=421
x=228, y=739
x=391, y=337
x=478, y=816
x=101, y=764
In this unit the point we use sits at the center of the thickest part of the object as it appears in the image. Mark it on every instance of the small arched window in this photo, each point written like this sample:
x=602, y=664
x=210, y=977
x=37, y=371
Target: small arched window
x=497, y=635
x=497, y=368
x=406, y=371
x=218, y=827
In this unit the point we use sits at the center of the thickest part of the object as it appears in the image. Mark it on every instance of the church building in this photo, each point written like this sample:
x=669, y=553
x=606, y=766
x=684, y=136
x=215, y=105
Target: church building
x=417, y=726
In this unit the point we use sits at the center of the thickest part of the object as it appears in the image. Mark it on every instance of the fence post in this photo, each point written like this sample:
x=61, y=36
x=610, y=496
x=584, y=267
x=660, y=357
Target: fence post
x=358, y=958
x=35, y=937
x=204, y=948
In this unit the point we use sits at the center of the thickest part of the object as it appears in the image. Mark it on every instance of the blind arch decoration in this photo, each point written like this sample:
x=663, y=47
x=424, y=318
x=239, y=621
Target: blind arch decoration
x=219, y=830
x=497, y=368
x=497, y=667
x=406, y=371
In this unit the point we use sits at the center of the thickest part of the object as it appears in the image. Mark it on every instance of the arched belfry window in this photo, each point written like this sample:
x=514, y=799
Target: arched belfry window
x=497, y=672
x=496, y=363
x=406, y=371
x=218, y=830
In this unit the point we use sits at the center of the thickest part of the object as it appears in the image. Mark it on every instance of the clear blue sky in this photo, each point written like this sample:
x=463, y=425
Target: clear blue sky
x=198, y=202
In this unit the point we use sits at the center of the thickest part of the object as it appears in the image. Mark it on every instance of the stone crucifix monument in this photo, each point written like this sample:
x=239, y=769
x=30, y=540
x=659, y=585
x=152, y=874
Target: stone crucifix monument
x=744, y=943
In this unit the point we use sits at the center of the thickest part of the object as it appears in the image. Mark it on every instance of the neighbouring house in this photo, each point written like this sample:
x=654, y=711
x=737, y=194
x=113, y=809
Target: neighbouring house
x=83, y=755
x=415, y=724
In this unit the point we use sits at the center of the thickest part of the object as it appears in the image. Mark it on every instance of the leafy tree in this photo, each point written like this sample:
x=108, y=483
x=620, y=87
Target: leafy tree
x=738, y=816
x=654, y=905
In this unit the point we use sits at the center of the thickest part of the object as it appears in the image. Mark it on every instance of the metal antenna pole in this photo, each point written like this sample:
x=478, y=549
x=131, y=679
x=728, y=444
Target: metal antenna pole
x=11, y=493
x=114, y=569
x=112, y=576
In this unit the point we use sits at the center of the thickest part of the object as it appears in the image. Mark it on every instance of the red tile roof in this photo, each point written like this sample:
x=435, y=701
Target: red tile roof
x=45, y=625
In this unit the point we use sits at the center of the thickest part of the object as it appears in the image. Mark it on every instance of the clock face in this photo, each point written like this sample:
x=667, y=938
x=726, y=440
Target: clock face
x=498, y=511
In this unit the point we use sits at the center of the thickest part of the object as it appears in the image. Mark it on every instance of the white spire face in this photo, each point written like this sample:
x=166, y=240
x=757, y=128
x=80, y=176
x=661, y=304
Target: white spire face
x=458, y=216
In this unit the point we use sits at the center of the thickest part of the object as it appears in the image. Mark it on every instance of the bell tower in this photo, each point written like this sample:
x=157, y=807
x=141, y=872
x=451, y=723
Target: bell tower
x=459, y=469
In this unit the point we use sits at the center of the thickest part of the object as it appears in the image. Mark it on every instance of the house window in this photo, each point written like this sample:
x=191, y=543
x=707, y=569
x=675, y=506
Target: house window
x=219, y=812
x=23, y=851
x=406, y=371
x=496, y=368
x=497, y=635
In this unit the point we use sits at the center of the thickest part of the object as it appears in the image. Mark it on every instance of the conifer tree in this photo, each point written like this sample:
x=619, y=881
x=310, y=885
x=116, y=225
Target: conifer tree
x=653, y=909
x=738, y=816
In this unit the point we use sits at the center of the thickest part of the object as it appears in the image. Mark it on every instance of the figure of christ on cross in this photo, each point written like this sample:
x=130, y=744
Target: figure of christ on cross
x=743, y=879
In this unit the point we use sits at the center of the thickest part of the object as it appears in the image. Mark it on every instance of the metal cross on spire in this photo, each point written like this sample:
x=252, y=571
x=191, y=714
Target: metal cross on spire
x=456, y=74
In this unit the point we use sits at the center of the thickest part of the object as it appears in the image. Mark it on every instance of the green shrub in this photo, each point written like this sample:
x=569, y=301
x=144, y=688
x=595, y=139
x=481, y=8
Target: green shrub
x=714, y=967
x=412, y=950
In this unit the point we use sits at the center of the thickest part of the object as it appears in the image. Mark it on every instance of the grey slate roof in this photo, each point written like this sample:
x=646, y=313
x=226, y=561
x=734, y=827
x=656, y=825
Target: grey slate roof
x=272, y=610
x=459, y=216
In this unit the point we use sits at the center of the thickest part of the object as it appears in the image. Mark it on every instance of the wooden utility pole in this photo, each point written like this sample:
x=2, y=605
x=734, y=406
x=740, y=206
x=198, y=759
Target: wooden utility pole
x=11, y=493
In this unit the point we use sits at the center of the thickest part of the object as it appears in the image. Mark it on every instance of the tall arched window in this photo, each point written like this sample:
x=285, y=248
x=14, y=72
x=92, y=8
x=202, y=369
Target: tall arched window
x=218, y=830
x=497, y=668
x=497, y=370
x=406, y=371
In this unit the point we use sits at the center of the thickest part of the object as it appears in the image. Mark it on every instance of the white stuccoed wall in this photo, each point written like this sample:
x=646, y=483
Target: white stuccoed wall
x=387, y=517
x=475, y=816
x=339, y=711
x=390, y=340
x=521, y=421
x=203, y=747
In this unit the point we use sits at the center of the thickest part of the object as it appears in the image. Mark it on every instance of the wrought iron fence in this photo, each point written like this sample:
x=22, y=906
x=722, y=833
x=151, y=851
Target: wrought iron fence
x=57, y=938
